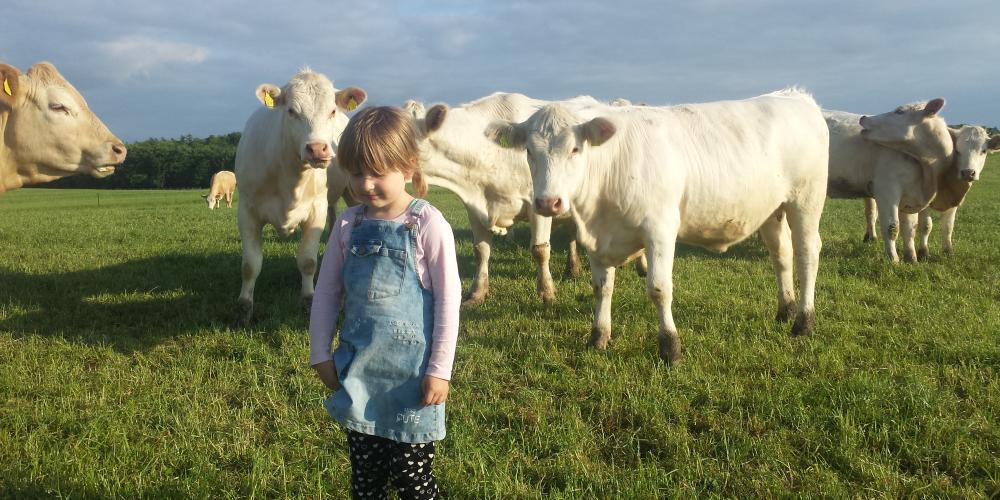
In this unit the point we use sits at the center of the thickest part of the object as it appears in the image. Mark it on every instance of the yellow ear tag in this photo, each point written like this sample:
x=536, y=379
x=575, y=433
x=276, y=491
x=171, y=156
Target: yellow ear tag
x=268, y=100
x=504, y=141
x=352, y=104
x=6, y=88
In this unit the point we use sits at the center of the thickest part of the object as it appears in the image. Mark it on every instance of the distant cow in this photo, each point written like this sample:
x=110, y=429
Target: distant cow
x=48, y=132
x=223, y=185
x=706, y=174
x=901, y=176
x=971, y=146
x=493, y=183
x=281, y=167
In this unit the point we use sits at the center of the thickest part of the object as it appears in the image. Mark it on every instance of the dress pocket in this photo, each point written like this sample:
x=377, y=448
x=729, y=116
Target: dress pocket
x=380, y=266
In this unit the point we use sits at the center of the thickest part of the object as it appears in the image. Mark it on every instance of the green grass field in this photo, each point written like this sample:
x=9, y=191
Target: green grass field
x=120, y=375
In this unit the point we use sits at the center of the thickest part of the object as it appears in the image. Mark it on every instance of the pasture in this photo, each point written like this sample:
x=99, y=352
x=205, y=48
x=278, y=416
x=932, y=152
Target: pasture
x=121, y=375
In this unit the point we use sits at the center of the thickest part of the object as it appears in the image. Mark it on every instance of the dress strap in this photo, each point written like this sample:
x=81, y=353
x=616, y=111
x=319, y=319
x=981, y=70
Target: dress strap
x=360, y=216
x=413, y=213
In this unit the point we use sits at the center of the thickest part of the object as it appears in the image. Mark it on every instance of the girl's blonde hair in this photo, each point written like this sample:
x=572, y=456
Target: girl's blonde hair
x=379, y=139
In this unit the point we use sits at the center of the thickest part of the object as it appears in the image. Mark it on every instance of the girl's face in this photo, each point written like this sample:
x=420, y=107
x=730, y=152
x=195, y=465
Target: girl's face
x=386, y=194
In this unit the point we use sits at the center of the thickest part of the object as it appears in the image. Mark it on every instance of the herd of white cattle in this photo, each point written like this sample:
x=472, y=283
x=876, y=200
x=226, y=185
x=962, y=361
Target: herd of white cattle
x=634, y=180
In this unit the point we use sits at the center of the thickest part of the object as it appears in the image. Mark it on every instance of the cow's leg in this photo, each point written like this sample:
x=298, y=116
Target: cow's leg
x=603, y=281
x=888, y=213
x=871, y=215
x=312, y=231
x=641, y=265
x=541, y=251
x=803, y=220
x=907, y=223
x=659, y=286
x=924, y=226
x=253, y=255
x=573, y=267
x=481, y=239
x=777, y=238
x=229, y=200
x=947, y=228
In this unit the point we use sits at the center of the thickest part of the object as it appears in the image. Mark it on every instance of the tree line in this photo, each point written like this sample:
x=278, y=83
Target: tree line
x=183, y=163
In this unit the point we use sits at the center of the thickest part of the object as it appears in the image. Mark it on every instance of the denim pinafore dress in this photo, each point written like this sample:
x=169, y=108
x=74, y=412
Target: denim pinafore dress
x=385, y=340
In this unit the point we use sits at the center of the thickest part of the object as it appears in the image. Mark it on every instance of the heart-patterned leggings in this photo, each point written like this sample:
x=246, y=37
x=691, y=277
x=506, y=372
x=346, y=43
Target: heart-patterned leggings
x=377, y=461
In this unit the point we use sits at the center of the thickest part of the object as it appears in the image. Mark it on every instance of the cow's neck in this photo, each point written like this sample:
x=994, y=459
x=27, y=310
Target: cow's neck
x=951, y=191
x=934, y=166
x=455, y=172
x=9, y=178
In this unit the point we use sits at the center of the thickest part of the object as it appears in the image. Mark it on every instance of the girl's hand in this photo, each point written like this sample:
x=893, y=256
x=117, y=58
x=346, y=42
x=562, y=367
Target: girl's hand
x=327, y=372
x=435, y=390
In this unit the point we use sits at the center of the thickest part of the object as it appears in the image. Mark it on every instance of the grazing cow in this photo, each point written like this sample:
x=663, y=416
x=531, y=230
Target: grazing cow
x=223, y=185
x=281, y=168
x=48, y=132
x=902, y=175
x=493, y=183
x=706, y=174
x=971, y=146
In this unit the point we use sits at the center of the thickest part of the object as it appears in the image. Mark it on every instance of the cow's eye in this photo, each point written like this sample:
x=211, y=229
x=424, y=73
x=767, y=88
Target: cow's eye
x=333, y=113
x=291, y=112
x=59, y=107
x=575, y=151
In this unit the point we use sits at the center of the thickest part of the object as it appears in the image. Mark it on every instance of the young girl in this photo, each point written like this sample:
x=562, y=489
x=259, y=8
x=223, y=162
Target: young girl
x=391, y=260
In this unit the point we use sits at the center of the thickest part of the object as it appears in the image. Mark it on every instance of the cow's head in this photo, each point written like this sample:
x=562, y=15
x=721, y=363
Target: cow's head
x=972, y=144
x=914, y=129
x=212, y=200
x=312, y=114
x=50, y=130
x=557, y=144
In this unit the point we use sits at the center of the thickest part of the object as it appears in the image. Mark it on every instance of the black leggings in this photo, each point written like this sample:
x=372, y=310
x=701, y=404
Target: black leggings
x=377, y=461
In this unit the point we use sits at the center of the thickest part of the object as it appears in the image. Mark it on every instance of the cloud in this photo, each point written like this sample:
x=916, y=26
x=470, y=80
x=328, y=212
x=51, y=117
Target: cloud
x=137, y=56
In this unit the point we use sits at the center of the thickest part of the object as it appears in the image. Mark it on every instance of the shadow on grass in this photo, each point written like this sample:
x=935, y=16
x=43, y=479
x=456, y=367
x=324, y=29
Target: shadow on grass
x=137, y=304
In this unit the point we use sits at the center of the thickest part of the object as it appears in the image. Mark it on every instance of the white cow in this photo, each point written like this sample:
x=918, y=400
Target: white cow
x=48, y=132
x=971, y=146
x=281, y=167
x=493, y=183
x=223, y=186
x=901, y=176
x=706, y=174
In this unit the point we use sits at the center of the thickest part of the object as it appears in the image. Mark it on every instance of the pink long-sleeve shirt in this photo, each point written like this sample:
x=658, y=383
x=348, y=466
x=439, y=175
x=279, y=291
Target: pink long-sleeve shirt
x=437, y=269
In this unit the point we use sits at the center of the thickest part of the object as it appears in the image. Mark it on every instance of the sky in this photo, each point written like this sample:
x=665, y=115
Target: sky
x=166, y=69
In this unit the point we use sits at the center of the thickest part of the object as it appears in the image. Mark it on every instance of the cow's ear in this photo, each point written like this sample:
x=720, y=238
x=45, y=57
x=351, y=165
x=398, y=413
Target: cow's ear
x=350, y=98
x=933, y=106
x=598, y=131
x=204, y=196
x=10, y=86
x=505, y=134
x=435, y=117
x=269, y=94
x=994, y=143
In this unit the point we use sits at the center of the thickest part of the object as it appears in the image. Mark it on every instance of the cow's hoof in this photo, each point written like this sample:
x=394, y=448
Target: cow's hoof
x=599, y=338
x=922, y=254
x=804, y=324
x=670, y=348
x=244, y=313
x=948, y=251
x=868, y=238
x=785, y=312
x=474, y=300
x=547, y=296
x=910, y=258
x=307, y=304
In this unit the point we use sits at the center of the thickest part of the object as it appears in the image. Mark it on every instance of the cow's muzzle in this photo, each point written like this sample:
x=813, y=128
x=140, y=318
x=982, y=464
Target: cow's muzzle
x=550, y=206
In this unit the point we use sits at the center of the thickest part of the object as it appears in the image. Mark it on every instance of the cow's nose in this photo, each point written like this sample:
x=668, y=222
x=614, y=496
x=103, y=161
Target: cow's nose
x=118, y=152
x=969, y=174
x=861, y=121
x=318, y=150
x=548, y=206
